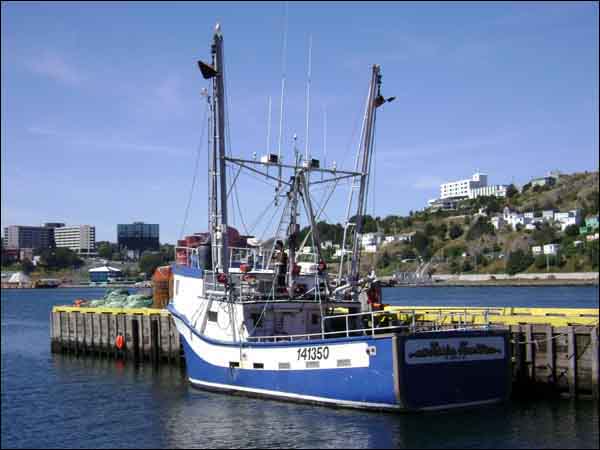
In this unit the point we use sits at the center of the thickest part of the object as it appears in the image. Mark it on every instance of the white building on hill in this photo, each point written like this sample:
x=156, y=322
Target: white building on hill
x=462, y=188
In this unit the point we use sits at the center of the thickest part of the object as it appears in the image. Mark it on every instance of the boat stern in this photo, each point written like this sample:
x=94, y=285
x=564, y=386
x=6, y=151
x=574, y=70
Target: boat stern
x=453, y=369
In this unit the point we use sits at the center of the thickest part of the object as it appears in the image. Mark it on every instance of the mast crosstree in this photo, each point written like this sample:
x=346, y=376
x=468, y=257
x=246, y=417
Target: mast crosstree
x=298, y=181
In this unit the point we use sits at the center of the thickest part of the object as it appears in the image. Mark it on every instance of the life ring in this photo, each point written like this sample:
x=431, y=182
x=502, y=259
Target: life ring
x=120, y=342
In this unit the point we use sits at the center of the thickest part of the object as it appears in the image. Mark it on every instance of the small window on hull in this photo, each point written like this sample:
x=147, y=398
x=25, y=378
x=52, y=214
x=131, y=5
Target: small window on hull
x=233, y=364
x=213, y=316
x=284, y=366
x=258, y=365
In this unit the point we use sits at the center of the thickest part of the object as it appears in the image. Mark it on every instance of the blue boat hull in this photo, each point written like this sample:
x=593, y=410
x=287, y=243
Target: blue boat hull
x=390, y=382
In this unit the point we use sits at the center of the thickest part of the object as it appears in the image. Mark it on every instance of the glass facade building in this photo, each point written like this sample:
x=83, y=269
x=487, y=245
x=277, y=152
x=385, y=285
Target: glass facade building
x=138, y=236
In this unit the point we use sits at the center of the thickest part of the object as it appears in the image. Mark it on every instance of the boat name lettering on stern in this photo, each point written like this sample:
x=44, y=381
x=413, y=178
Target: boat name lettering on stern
x=453, y=350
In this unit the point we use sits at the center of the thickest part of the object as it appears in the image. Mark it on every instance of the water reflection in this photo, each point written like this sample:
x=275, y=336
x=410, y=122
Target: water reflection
x=67, y=401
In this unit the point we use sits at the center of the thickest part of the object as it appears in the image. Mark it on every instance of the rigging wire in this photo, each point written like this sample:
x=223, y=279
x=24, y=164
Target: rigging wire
x=195, y=176
x=283, y=76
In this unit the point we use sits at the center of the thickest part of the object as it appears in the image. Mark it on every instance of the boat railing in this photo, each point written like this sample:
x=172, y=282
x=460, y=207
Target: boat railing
x=187, y=256
x=252, y=256
x=458, y=321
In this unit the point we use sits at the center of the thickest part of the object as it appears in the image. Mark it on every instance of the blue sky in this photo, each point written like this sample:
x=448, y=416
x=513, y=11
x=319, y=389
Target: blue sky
x=102, y=113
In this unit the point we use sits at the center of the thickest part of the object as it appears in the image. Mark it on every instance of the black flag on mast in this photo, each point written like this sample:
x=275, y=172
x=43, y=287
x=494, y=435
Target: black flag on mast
x=207, y=71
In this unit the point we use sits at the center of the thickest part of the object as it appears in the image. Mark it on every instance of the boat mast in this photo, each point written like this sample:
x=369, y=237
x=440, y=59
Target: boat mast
x=375, y=100
x=218, y=194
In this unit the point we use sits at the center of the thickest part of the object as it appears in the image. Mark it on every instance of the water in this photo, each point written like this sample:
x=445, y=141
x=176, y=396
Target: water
x=543, y=297
x=62, y=401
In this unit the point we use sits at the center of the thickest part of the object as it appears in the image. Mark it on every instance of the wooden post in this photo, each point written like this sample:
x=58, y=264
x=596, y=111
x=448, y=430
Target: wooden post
x=64, y=330
x=95, y=333
x=154, y=341
x=72, y=331
x=595, y=368
x=550, y=356
x=56, y=344
x=128, y=338
x=572, y=356
x=530, y=352
x=135, y=337
x=89, y=336
x=519, y=356
x=121, y=331
x=164, y=337
x=104, y=333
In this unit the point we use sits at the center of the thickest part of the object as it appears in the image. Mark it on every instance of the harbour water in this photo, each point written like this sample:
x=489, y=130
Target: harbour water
x=53, y=400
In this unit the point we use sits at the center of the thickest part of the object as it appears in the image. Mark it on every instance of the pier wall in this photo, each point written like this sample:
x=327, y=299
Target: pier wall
x=560, y=356
x=147, y=335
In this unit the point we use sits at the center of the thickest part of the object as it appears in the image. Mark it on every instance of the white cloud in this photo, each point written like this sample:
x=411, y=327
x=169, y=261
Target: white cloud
x=113, y=143
x=54, y=66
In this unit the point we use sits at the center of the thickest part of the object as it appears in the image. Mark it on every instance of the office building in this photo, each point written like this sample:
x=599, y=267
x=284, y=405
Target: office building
x=79, y=238
x=138, y=236
x=20, y=236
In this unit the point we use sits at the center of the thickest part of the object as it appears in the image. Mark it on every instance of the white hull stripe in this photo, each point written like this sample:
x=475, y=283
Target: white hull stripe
x=345, y=403
x=289, y=395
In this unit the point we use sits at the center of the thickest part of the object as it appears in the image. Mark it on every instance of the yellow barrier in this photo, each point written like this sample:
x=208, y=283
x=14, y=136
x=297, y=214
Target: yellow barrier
x=103, y=310
x=443, y=314
x=505, y=315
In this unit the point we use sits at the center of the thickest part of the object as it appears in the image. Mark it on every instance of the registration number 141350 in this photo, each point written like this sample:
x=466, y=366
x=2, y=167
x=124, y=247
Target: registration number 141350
x=313, y=353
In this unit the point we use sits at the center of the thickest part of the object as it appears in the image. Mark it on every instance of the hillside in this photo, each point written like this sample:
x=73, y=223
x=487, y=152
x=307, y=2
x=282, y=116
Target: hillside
x=465, y=241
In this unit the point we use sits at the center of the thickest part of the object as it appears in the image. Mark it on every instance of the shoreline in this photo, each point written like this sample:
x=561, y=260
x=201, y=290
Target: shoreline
x=505, y=283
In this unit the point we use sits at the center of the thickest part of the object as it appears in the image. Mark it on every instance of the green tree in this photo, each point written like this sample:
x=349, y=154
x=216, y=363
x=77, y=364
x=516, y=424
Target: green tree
x=421, y=243
x=525, y=187
x=467, y=266
x=384, y=260
x=455, y=231
x=60, y=258
x=518, y=261
x=546, y=234
x=540, y=262
x=104, y=249
x=429, y=229
x=511, y=191
x=454, y=251
x=454, y=267
x=592, y=253
x=27, y=266
x=572, y=230
x=407, y=253
x=441, y=231
x=479, y=228
x=149, y=262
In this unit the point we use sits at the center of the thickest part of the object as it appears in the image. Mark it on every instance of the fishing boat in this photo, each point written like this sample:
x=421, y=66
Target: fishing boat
x=269, y=320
